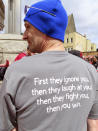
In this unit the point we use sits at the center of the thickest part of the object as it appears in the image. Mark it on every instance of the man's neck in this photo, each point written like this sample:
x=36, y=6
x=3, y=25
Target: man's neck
x=54, y=45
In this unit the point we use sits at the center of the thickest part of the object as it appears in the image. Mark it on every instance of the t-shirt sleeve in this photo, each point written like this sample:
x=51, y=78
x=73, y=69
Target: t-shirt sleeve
x=94, y=110
x=7, y=109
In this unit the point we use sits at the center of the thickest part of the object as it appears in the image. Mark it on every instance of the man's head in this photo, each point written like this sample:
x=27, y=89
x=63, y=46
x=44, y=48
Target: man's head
x=34, y=38
x=45, y=19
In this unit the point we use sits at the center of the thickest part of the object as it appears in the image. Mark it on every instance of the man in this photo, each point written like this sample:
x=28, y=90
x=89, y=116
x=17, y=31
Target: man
x=52, y=90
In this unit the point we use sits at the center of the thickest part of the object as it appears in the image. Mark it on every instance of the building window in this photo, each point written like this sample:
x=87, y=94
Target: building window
x=91, y=47
x=67, y=40
x=71, y=40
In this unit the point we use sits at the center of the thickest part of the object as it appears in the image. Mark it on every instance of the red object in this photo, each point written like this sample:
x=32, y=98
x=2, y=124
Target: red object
x=81, y=54
x=20, y=56
x=5, y=65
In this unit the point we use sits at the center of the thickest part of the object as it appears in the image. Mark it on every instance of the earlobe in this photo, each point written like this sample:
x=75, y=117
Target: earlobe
x=24, y=37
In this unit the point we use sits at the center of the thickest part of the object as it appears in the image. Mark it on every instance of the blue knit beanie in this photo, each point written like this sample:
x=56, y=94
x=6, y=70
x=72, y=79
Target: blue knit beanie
x=49, y=17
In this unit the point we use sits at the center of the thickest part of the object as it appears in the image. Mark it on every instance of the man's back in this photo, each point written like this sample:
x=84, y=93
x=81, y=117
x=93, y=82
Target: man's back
x=55, y=91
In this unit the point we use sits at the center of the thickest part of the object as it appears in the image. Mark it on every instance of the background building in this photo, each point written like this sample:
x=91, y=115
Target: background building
x=2, y=15
x=10, y=46
x=11, y=42
x=13, y=16
x=74, y=40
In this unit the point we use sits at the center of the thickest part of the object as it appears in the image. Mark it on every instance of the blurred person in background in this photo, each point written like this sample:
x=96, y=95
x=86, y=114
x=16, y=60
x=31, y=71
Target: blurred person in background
x=76, y=53
x=3, y=67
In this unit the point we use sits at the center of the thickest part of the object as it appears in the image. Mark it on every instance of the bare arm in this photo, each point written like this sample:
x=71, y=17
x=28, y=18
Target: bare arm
x=92, y=125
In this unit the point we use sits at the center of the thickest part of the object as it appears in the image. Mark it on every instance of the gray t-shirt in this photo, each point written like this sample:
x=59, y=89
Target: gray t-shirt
x=51, y=91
